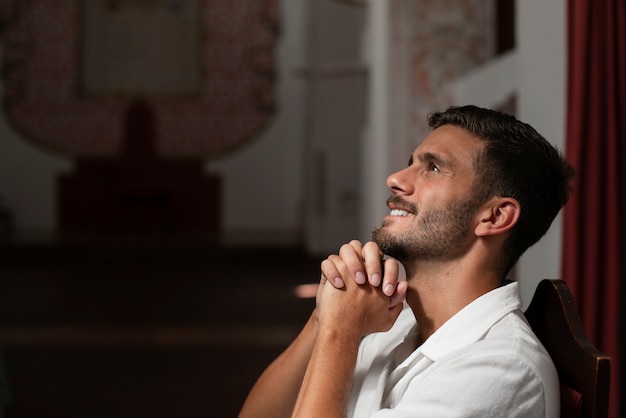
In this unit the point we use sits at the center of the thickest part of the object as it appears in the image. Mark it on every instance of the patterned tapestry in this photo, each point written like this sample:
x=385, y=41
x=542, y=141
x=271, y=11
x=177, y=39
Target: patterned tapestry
x=226, y=102
x=441, y=40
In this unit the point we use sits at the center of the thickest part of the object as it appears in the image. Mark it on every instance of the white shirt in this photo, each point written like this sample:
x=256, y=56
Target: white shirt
x=485, y=361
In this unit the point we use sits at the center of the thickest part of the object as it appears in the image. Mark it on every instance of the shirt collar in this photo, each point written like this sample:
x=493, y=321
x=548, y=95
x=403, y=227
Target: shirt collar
x=472, y=322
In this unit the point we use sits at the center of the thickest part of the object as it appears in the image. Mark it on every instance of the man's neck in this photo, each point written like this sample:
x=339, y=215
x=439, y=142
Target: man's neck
x=436, y=292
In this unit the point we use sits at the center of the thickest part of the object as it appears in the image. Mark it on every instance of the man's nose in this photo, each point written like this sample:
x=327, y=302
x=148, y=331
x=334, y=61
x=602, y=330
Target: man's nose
x=398, y=182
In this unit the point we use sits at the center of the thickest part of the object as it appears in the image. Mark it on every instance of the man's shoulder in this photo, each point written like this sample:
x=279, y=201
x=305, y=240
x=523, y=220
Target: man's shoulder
x=510, y=342
x=513, y=334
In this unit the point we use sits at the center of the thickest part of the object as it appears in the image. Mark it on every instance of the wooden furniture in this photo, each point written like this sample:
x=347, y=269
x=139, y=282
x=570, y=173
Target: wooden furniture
x=140, y=192
x=584, y=371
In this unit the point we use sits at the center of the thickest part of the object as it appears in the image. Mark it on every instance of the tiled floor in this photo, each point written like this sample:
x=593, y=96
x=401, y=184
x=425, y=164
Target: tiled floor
x=150, y=330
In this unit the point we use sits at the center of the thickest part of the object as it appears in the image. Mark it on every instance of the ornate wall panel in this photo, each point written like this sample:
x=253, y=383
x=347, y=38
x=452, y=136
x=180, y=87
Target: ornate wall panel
x=42, y=70
x=440, y=40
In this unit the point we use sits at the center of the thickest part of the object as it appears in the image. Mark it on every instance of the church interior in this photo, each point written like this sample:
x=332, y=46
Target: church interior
x=172, y=173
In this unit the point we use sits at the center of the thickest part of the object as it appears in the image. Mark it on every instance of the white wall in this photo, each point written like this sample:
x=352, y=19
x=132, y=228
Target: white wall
x=378, y=140
x=541, y=41
x=263, y=182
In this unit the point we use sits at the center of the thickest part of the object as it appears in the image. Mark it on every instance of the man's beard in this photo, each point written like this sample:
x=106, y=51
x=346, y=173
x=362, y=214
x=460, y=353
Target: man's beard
x=440, y=234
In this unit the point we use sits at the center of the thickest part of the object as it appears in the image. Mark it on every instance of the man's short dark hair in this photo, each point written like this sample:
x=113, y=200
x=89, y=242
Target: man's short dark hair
x=516, y=162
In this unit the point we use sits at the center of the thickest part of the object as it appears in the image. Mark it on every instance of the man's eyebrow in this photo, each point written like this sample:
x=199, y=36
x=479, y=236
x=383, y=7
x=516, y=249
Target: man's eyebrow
x=429, y=157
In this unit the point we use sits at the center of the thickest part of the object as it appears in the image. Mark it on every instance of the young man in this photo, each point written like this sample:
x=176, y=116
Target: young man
x=480, y=190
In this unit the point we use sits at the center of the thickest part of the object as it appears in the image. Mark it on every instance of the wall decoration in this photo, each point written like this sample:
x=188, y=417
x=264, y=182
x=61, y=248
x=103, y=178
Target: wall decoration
x=55, y=99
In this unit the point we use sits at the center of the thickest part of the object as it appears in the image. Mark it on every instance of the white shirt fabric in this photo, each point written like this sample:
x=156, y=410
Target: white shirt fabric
x=485, y=361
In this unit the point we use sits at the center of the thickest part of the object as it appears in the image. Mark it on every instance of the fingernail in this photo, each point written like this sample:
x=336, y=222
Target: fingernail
x=338, y=282
x=360, y=277
x=389, y=289
x=375, y=280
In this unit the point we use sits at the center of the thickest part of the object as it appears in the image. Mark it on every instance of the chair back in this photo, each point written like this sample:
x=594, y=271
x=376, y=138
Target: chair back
x=584, y=371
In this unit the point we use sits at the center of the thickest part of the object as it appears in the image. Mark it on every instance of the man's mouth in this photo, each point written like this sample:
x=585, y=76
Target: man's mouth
x=399, y=207
x=399, y=212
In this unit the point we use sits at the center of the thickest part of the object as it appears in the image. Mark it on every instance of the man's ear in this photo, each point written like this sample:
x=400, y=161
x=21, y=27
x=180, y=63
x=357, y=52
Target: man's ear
x=498, y=216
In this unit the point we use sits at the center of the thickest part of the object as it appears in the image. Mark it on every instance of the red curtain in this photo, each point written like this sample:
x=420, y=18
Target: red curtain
x=592, y=239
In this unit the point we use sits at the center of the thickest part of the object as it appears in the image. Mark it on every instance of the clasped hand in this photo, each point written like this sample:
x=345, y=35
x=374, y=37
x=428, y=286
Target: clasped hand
x=359, y=290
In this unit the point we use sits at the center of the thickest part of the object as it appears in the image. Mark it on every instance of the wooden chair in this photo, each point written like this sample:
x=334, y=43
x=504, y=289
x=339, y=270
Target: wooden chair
x=584, y=371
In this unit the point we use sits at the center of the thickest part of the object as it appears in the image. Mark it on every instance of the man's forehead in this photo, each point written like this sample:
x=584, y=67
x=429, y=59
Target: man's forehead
x=451, y=143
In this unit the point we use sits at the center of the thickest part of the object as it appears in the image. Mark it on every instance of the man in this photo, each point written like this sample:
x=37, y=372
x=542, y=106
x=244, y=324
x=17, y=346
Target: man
x=480, y=190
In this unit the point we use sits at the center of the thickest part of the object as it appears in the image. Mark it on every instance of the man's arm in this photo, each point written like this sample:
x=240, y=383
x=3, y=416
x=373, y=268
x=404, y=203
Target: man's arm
x=274, y=394
x=326, y=386
x=344, y=316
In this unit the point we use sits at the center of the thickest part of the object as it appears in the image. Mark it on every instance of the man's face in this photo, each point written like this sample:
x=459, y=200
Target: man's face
x=432, y=209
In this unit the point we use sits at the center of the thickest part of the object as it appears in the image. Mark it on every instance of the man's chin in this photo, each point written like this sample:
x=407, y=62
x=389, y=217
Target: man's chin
x=388, y=244
x=378, y=234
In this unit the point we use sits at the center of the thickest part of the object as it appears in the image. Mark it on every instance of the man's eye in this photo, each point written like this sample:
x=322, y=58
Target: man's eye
x=433, y=167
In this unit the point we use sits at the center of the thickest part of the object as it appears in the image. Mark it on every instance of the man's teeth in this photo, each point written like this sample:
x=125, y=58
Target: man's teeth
x=399, y=212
